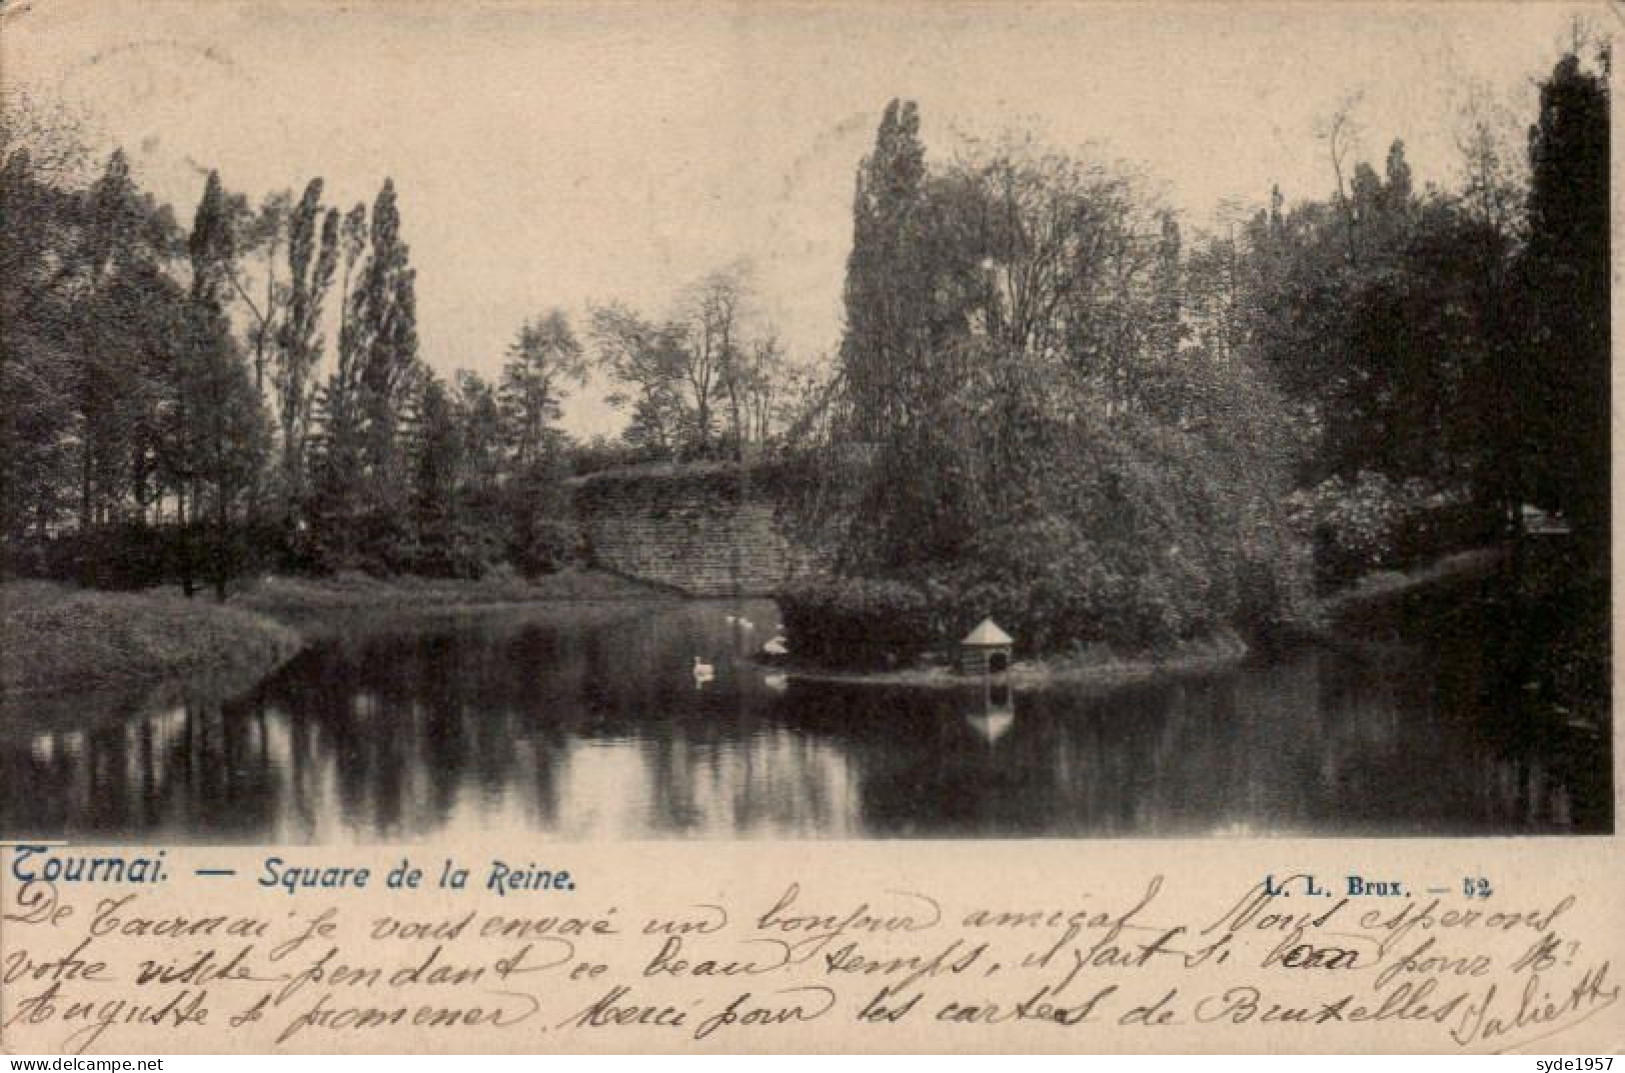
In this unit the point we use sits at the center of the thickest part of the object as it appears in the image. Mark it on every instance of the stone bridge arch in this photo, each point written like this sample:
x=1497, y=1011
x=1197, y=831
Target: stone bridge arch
x=702, y=529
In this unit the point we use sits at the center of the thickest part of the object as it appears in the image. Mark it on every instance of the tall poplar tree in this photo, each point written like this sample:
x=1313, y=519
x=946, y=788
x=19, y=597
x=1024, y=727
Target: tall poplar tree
x=887, y=285
x=312, y=264
x=1566, y=284
x=383, y=318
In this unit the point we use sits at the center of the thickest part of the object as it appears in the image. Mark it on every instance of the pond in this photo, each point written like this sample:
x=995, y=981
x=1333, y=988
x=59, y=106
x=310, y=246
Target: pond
x=588, y=722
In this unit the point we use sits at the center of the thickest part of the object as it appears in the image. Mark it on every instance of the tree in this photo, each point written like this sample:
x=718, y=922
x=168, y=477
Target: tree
x=711, y=315
x=437, y=464
x=52, y=138
x=311, y=267
x=669, y=395
x=691, y=381
x=219, y=435
x=656, y=426
x=261, y=231
x=479, y=423
x=887, y=293
x=1565, y=275
x=383, y=319
x=1063, y=262
x=764, y=380
x=1342, y=133
x=211, y=244
x=1212, y=287
x=361, y=486
x=542, y=359
x=333, y=447
x=1397, y=190
x=122, y=297
x=36, y=456
x=1493, y=168
x=38, y=261
x=1044, y=443
x=1333, y=302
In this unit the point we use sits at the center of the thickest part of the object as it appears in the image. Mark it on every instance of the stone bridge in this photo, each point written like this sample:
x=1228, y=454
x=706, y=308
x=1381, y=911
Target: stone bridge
x=703, y=529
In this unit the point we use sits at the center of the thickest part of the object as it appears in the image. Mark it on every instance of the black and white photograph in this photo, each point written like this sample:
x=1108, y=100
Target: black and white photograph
x=804, y=422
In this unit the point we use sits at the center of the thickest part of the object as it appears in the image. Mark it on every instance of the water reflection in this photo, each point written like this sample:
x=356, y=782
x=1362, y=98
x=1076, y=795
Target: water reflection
x=993, y=717
x=587, y=723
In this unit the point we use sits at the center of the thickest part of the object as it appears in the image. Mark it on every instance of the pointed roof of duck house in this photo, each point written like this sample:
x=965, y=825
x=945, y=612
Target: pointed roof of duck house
x=987, y=635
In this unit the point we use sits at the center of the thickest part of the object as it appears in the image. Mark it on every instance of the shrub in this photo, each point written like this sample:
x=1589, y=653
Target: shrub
x=545, y=545
x=453, y=549
x=1055, y=587
x=854, y=621
x=1372, y=522
x=1079, y=527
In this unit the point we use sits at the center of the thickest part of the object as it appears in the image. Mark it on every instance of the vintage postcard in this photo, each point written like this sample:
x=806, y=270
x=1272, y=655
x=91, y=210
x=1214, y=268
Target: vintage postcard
x=559, y=527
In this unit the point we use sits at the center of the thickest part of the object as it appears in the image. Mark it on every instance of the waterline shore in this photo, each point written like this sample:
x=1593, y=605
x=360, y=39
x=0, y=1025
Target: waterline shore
x=295, y=600
x=59, y=639
x=1102, y=669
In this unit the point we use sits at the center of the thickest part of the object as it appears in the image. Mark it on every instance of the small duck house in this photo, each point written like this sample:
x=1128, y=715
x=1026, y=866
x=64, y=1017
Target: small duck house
x=985, y=650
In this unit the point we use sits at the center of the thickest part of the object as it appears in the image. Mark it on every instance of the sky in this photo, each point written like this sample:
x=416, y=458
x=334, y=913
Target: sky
x=558, y=155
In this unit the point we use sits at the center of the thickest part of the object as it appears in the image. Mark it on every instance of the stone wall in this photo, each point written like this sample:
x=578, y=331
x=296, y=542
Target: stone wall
x=705, y=530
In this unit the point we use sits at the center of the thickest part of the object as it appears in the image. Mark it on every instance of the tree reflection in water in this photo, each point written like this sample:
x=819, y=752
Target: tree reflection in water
x=588, y=725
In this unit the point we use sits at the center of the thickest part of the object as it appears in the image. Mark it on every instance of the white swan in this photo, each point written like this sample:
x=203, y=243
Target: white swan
x=703, y=671
x=778, y=646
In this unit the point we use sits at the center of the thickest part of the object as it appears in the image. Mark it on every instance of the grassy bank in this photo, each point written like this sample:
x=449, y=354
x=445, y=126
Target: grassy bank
x=1445, y=583
x=295, y=599
x=1463, y=567
x=57, y=638
x=1541, y=621
x=1098, y=668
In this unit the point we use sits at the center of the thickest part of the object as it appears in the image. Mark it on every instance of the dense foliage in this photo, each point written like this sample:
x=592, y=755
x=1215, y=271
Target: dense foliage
x=856, y=621
x=1067, y=417
x=708, y=381
x=1371, y=523
x=173, y=411
x=1048, y=446
x=190, y=404
x=1050, y=403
